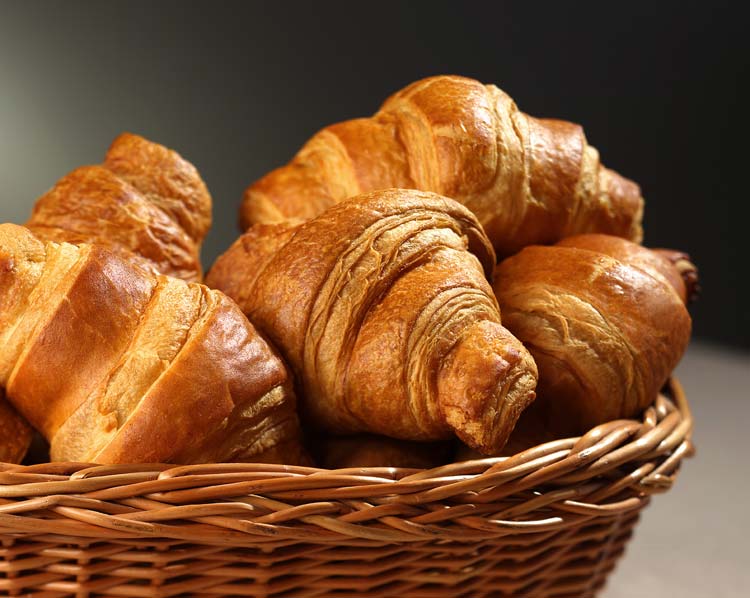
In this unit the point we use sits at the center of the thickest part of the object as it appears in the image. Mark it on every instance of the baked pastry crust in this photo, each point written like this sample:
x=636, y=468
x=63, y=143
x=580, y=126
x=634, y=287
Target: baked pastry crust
x=527, y=180
x=113, y=364
x=382, y=307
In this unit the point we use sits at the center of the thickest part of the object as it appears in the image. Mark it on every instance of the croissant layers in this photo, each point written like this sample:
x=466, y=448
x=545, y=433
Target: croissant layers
x=113, y=364
x=145, y=202
x=605, y=320
x=527, y=180
x=383, y=309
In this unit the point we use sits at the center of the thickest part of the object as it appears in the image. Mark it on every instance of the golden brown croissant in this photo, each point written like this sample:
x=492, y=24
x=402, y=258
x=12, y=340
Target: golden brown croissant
x=113, y=364
x=528, y=180
x=605, y=321
x=15, y=433
x=368, y=450
x=382, y=308
x=144, y=202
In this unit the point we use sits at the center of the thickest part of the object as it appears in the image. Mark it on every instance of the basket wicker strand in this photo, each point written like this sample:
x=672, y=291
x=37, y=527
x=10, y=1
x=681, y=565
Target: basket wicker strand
x=549, y=522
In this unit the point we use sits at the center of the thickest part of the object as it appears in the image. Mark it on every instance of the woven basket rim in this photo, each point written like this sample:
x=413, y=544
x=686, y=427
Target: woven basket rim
x=608, y=472
x=549, y=521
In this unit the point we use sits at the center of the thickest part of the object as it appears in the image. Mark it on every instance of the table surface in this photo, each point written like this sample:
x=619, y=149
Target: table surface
x=693, y=541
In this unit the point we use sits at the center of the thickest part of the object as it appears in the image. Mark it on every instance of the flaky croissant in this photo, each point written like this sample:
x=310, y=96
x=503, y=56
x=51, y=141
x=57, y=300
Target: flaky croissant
x=528, y=180
x=144, y=202
x=382, y=308
x=113, y=364
x=606, y=323
x=15, y=433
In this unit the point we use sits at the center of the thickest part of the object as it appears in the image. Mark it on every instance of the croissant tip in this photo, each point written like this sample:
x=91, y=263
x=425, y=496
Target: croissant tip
x=694, y=290
x=689, y=272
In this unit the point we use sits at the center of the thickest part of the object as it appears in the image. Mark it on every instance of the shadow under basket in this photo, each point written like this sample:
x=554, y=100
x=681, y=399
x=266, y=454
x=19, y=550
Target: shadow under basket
x=551, y=521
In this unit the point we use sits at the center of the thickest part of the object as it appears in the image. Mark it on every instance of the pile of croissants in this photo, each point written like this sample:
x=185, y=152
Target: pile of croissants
x=446, y=279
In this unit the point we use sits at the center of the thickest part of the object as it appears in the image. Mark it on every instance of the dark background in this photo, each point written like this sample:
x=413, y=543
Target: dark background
x=237, y=88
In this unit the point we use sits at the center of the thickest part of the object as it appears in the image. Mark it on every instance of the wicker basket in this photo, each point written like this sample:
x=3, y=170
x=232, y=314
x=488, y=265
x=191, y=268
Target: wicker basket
x=551, y=521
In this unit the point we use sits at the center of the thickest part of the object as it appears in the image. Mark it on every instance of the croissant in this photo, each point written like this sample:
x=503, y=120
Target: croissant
x=528, y=180
x=382, y=308
x=15, y=433
x=605, y=320
x=367, y=450
x=145, y=202
x=113, y=364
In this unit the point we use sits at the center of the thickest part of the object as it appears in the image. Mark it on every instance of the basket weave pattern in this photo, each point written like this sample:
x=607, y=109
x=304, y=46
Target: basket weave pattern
x=551, y=521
